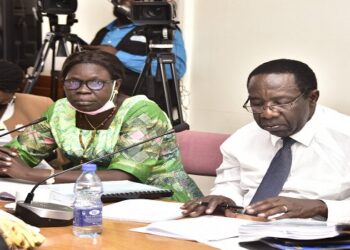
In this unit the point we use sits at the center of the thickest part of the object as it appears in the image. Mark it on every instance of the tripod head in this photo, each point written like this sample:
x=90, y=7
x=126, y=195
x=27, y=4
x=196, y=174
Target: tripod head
x=59, y=33
x=159, y=38
x=61, y=28
x=53, y=8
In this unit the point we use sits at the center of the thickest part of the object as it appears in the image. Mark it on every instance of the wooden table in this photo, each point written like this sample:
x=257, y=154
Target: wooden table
x=115, y=236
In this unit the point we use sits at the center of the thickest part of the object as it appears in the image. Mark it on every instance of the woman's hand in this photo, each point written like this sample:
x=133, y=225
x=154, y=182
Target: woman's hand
x=196, y=207
x=12, y=165
x=287, y=207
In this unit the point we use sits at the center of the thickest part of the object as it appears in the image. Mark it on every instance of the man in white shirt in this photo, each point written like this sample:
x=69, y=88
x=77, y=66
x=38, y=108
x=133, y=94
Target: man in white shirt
x=282, y=97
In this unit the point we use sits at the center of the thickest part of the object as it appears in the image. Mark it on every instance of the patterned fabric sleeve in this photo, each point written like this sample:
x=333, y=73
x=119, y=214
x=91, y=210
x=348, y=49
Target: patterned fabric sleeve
x=145, y=120
x=156, y=162
x=35, y=142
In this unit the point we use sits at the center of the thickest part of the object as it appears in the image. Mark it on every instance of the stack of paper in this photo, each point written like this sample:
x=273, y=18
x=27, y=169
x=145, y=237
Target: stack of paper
x=142, y=210
x=201, y=229
x=300, y=229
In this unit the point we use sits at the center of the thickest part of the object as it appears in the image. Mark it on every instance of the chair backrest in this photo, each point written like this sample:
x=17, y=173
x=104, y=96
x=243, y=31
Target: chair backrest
x=200, y=151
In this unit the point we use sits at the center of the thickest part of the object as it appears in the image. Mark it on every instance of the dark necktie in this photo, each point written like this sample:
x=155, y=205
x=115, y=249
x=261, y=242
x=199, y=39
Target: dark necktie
x=277, y=173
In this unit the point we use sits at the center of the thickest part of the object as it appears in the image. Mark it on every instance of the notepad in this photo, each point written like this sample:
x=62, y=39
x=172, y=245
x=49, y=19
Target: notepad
x=142, y=210
x=64, y=193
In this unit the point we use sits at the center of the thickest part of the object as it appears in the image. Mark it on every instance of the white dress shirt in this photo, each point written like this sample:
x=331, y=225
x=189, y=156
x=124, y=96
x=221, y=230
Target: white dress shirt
x=320, y=164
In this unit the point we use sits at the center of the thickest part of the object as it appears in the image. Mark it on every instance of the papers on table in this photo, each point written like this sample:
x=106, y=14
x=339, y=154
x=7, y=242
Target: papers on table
x=142, y=210
x=300, y=229
x=225, y=233
x=202, y=229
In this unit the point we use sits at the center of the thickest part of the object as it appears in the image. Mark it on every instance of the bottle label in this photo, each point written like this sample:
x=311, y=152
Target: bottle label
x=87, y=217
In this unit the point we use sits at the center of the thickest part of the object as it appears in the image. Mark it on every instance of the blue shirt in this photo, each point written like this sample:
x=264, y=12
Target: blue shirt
x=137, y=62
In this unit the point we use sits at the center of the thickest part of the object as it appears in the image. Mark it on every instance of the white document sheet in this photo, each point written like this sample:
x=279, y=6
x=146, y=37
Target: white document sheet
x=201, y=229
x=142, y=210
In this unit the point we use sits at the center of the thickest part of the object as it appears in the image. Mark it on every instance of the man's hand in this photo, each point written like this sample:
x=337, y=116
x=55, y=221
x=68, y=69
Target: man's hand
x=105, y=48
x=195, y=208
x=288, y=208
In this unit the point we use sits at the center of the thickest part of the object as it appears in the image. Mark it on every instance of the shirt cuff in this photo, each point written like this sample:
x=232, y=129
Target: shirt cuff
x=338, y=211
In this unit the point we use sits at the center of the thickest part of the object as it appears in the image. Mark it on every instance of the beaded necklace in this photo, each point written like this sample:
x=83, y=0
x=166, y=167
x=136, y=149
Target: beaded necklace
x=85, y=148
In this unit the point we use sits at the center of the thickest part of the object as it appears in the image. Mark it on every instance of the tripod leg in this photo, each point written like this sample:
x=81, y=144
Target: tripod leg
x=143, y=75
x=39, y=63
x=54, y=73
x=165, y=82
x=177, y=90
x=163, y=60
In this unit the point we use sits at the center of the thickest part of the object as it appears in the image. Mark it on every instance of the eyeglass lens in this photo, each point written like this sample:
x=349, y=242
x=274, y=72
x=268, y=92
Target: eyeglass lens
x=91, y=84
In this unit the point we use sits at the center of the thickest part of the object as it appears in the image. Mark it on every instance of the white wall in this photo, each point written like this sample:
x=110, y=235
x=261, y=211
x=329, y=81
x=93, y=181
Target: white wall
x=228, y=38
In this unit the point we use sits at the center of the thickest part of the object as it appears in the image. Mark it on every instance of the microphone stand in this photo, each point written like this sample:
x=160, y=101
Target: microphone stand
x=49, y=214
x=24, y=126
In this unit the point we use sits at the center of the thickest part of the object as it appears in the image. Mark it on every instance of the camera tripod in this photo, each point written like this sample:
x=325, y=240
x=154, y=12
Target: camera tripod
x=163, y=59
x=60, y=34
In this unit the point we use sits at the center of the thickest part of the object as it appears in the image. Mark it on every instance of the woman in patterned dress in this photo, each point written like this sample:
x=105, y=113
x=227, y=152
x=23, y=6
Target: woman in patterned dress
x=95, y=120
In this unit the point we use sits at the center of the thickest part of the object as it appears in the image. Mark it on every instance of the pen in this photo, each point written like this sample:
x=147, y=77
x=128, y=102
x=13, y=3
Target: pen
x=224, y=205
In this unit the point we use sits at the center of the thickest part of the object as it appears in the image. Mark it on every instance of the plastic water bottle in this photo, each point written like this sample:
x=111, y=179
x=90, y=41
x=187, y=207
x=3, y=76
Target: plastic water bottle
x=87, y=204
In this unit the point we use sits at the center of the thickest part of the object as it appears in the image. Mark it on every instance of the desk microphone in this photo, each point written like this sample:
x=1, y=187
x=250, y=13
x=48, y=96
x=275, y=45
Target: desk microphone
x=24, y=126
x=45, y=214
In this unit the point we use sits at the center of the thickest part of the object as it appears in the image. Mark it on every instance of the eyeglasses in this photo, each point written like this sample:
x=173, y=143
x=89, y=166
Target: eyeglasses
x=74, y=84
x=258, y=109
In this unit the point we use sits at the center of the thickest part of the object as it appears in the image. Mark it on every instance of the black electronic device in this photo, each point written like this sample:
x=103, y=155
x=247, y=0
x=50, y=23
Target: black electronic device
x=20, y=32
x=159, y=12
x=136, y=195
x=43, y=214
x=63, y=7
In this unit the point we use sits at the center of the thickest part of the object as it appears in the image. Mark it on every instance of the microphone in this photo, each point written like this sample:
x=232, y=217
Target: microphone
x=24, y=126
x=45, y=214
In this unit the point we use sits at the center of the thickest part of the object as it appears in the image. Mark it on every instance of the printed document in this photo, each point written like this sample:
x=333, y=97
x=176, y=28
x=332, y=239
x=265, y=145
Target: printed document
x=142, y=210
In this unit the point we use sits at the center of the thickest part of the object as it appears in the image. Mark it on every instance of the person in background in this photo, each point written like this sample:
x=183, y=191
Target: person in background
x=95, y=120
x=127, y=41
x=282, y=96
x=17, y=109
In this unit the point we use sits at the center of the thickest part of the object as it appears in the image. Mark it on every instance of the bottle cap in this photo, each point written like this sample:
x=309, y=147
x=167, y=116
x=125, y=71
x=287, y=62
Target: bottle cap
x=89, y=167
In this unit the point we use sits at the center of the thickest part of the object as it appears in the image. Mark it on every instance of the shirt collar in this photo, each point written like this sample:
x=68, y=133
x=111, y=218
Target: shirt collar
x=112, y=25
x=306, y=134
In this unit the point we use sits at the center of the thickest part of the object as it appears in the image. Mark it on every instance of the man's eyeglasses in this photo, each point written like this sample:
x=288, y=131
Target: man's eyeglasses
x=74, y=84
x=258, y=109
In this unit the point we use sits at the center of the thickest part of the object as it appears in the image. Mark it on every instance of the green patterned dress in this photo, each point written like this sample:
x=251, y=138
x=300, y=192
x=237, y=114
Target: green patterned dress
x=156, y=162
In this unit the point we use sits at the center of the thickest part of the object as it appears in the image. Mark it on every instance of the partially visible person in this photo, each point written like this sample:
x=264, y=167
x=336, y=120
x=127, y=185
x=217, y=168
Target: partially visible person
x=17, y=109
x=94, y=120
x=282, y=96
x=127, y=41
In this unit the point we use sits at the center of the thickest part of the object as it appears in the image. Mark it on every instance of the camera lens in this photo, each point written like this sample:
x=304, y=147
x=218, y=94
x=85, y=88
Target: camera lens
x=153, y=12
x=62, y=3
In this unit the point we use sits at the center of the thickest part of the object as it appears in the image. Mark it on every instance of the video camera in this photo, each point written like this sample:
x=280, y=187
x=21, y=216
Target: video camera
x=158, y=12
x=149, y=12
x=64, y=7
